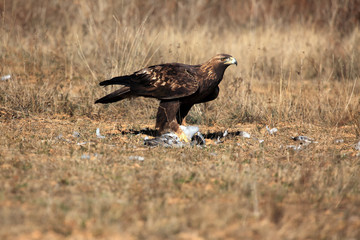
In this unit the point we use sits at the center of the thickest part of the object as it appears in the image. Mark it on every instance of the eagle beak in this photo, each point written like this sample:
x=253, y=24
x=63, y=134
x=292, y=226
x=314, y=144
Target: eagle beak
x=231, y=60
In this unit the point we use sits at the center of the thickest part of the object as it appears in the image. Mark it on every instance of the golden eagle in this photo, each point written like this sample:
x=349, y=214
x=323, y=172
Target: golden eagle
x=177, y=86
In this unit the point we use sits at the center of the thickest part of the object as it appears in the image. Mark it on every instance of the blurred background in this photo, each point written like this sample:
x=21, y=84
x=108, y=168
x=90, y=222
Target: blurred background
x=298, y=59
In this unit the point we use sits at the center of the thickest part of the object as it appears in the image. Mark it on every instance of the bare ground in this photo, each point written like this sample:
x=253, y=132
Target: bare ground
x=54, y=188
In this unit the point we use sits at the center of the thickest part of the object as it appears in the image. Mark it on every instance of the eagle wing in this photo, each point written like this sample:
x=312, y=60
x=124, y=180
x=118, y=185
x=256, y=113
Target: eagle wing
x=166, y=81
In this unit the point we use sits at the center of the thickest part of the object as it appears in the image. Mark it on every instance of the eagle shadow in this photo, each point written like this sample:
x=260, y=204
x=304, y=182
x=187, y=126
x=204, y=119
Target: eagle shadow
x=156, y=133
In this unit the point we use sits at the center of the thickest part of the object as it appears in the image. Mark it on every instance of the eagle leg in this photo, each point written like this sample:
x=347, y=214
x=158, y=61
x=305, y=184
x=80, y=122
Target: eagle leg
x=182, y=113
x=166, y=116
x=166, y=119
x=182, y=136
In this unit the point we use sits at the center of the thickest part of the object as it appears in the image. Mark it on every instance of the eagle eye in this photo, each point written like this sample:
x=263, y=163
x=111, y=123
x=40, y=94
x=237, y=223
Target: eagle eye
x=223, y=59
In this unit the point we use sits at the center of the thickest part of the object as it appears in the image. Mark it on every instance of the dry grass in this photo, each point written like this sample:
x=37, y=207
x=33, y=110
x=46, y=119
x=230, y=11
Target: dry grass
x=299, y=71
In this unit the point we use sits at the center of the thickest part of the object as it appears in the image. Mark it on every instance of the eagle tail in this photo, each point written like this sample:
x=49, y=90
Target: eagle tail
x=122, y=80
x=115, y=96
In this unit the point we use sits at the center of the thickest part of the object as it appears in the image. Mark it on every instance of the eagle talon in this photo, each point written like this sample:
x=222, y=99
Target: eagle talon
x=182, y=137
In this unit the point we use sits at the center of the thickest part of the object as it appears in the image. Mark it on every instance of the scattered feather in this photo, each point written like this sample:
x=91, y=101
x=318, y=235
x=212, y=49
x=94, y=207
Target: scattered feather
x=85, y=156
x=339, y=140
x=88, y=156
x=98, y=135
x=357, y=146
x=294, y=147
x=138, y=158
x=218, y=140
x=245, y=134
x=5, y=77
x=60, y=137
x=303, y=139
x=76, y=134
x=271, y=131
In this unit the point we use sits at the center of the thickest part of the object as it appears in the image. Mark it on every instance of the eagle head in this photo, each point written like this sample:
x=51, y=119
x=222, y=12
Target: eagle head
x=224, y=59
x=217, y=65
